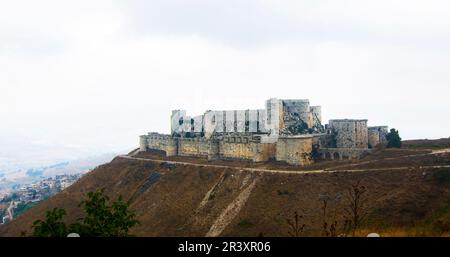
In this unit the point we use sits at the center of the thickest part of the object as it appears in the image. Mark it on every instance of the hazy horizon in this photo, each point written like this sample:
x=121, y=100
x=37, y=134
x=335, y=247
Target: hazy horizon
x=79, y=78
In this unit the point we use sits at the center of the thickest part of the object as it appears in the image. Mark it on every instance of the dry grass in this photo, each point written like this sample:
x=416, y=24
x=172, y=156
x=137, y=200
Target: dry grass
x=176, y=204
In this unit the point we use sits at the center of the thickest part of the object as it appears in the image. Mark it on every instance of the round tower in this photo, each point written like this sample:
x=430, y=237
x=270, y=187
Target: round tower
x=374, y=137
x=143, y=144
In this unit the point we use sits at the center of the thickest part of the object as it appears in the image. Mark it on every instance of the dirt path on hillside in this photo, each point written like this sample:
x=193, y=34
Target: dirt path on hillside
x=233, y=208
x=433, y=152
x=446, y=150
x=299, y=172
x=208, y=194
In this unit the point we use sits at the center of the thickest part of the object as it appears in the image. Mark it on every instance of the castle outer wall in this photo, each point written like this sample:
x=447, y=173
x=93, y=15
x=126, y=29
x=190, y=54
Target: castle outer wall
x=286, y=130
x=295, y=150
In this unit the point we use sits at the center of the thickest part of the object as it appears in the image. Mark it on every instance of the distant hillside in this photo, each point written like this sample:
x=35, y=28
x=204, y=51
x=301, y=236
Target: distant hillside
x=198, y=199
x=37, y=173
x=427, y=143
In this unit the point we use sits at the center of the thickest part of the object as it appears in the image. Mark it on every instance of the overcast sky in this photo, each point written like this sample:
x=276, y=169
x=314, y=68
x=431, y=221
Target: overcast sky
x=90, y=76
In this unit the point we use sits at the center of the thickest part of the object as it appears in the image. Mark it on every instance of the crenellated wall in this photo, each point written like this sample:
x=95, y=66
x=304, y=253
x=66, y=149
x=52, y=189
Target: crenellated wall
x=229, y=150
x=161, y=142
x=233, y=147
x=193, y=147
x=244, y=148
x=287, y=130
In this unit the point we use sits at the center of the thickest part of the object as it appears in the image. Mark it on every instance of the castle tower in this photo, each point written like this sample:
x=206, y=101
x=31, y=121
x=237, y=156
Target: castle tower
x=350, y=133
x=274, y=116
x=143, y=144
x=176, y=121
x=316, y=112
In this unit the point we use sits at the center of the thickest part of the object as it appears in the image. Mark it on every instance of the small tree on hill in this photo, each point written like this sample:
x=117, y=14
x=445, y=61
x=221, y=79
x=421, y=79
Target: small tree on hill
x=296, y=225
x=52, y=226
x=355, y=208
x=105, y=220
x=394, y=139
x=101, y=219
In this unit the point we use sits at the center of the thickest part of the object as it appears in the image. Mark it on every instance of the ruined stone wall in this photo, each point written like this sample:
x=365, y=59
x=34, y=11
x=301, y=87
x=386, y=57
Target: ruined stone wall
x=316, y=113
x=264, y=151
x=232, y=150
x=240, y=120
x=162, y=142
x=198, y=124
x=361, y=138
x=262, y=118
x=382, y=131
x=342, y=153
x=143, y=144
x=350, y=133
x=274, y=118
x=299, y=118
x=288, y=117
x=298, y=107
x=327, y=141
x=220, y=121
x=233, y=121
x=193, y=147
x=245, y=148
x=294, y=150
x=229, y=121
x=374, y=138
x=187, y=125
x=253, y=121
x=209, y=123
x=177, y=115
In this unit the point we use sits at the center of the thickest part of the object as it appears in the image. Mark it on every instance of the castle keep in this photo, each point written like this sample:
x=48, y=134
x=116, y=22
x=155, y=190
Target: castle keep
x=286, y=130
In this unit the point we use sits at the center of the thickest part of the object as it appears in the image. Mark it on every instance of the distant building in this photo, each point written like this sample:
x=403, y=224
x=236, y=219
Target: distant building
x=287, y=130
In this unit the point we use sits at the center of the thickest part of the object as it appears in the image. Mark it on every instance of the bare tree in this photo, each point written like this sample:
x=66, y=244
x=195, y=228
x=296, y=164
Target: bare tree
x=329, y=229
x=355, y=208
x=296, y=225
x=324, y=198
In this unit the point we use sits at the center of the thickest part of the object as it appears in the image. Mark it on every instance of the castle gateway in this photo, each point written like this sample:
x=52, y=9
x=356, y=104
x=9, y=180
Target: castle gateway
x=286, y=130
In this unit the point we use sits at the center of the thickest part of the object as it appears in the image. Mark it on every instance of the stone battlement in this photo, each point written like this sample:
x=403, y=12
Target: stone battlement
x=286, y=130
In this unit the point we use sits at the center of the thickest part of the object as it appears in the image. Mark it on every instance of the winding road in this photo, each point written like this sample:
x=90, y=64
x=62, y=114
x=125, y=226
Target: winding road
x=299, y=172
x=10, y=210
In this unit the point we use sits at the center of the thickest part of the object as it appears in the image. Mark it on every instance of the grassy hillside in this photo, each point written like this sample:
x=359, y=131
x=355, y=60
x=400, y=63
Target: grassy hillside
x=187, y=200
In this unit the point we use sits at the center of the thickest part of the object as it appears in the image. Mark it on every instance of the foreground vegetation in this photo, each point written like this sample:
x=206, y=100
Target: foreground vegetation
x=101, y=219
x=357, y=222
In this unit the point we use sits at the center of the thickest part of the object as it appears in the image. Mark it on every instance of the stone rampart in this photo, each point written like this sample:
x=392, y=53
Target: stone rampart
x=294, y=150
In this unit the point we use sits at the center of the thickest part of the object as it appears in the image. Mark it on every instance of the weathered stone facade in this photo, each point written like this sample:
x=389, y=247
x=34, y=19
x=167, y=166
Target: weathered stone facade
x=374, y=138
x=286, y=130
x=295, y=150
x=377, y=135
x=350, y=133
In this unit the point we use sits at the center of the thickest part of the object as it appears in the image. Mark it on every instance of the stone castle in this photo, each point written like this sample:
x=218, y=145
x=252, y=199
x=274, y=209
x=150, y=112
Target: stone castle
x=286, y=130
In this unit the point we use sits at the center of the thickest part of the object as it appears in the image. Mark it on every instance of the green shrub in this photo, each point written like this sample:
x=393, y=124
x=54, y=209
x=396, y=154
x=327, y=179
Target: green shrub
x=23, y=207
x=102, y=219
x=442, y=176
x=245, y=223
x=394, y=139
x=282, y=192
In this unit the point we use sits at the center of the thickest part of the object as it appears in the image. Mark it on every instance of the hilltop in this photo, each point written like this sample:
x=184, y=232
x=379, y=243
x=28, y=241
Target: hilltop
x=408, y=193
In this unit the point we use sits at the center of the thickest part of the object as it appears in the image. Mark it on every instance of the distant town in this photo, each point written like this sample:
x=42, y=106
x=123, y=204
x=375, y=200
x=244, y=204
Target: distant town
x=24, y=197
